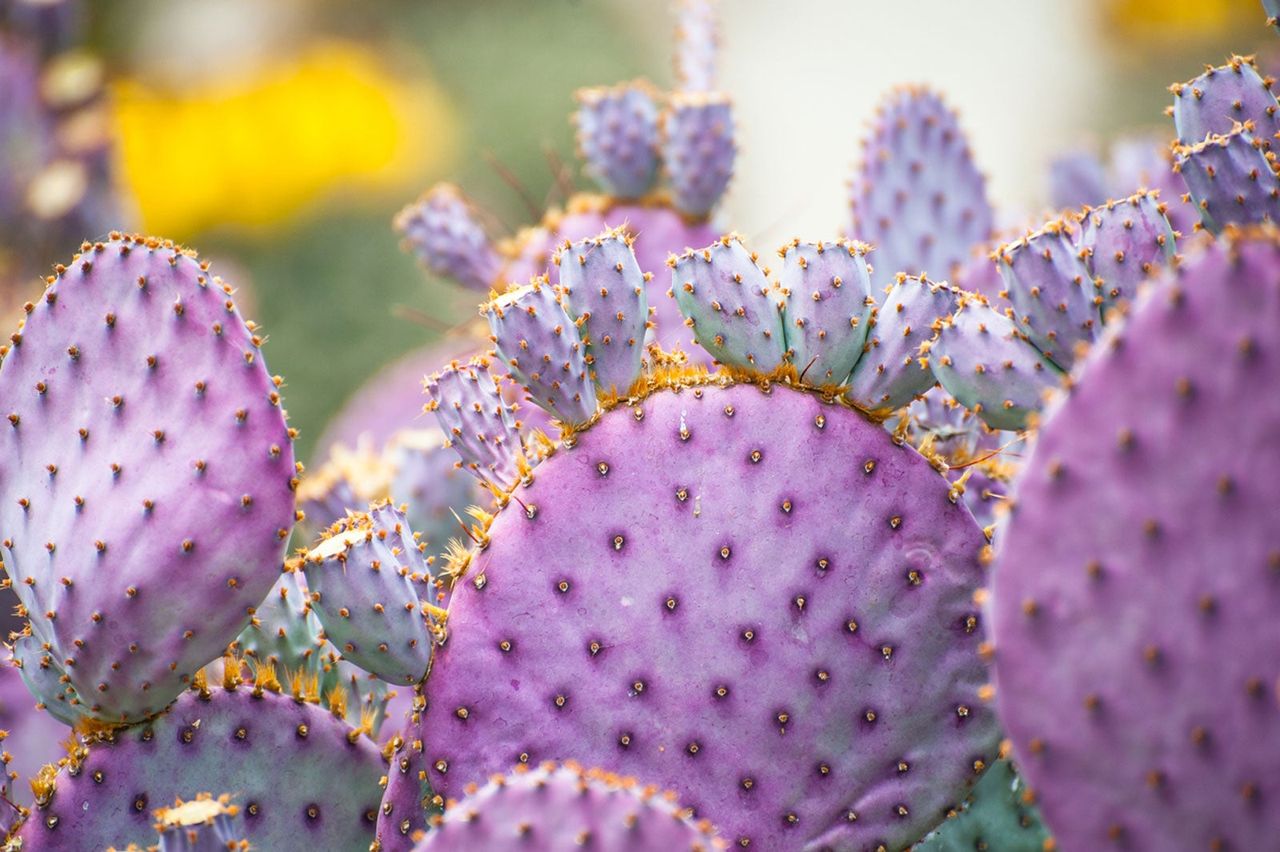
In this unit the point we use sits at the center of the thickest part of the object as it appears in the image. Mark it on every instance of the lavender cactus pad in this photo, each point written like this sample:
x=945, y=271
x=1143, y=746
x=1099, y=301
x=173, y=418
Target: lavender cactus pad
x=148, y=472
x=1136, y=657
x=1222, y=97
x=807, y=678
x=304, y=778
x=554, y=807
x=1231, y=178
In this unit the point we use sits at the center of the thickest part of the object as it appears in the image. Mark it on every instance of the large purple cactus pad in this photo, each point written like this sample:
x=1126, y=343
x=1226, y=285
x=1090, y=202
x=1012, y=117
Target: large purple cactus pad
x=303, y=778
x=1136, y=655
x=553, y=808
x=767, y=608
x=147, y=470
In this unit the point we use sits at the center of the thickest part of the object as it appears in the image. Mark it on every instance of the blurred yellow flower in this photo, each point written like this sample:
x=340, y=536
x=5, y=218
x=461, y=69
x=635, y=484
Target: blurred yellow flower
x=1181, y=20
x=257, y=151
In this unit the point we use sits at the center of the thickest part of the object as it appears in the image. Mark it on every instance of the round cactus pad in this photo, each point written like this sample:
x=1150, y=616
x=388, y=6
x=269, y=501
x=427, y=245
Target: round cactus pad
x=743, y=593
x=302, y=778
x=1135, y=597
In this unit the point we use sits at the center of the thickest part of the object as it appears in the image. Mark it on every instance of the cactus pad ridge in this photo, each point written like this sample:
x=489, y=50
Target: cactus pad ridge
x=553, y=807
x=303, y=777
x=1135, y=658
x=443, y=231
x=145, y=443
x=617, y=136
x=1222, y=97
x=917, y=195
x=364, y=578
x=1231, y=178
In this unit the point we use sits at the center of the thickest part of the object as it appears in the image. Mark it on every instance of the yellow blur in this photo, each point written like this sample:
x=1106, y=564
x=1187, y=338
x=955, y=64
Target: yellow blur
x=257, y=152
x=1182, y=20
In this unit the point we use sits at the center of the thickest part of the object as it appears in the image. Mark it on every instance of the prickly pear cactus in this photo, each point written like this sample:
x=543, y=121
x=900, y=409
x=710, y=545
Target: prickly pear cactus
x=731, y=680
x=1232, y=178
x=560, y=807
x=1223, y=97
x=917, y=194
x=1135, y=658
x=303, y=777
x=145, y=442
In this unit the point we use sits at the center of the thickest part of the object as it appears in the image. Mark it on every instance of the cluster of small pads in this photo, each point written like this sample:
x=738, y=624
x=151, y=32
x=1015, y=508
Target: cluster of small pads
x=669, y=591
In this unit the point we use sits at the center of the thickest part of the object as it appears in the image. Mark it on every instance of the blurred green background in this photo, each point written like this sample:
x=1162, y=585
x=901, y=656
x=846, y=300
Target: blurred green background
x=280, y=137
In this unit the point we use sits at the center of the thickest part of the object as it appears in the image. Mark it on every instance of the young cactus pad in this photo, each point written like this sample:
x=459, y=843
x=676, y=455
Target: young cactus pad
x=1000, y=816
x=1222, y=97
x=1136, y=657
x=202, y=824
x=304, y=779
x=1231, y=178
x=917, y=195
x=148, y=472
x=564, y=807
x=767, y=608
x=365, y=577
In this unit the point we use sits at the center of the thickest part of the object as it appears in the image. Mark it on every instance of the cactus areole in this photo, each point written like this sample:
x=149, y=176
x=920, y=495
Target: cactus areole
x=727, y=584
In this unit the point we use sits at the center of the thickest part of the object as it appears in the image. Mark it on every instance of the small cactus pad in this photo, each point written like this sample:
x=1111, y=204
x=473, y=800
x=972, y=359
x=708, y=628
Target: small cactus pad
x=726, y=300
x=1000, y=816
x=806, y=677
x=917, y=195
x=479, y=424
x=540, y=347
x=365, y=576
x=1135, y=657
x=827, y=303
x=1127, y=242
x=202, y=824
x=605, y=294
x=892, y=372
x=442, y=231
x=990, y=367
x=618, y=137
x=1231, y=178
x=148, y=473
x=698, y=149
x=1051, y=291
x=553, y=808
x=1220, y=98
x=303, y=778
x=284, y=631
x=697, y=42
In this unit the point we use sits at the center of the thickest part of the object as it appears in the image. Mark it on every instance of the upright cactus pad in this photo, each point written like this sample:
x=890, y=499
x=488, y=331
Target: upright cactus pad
x=1136, y=656
x=917, y=195
x=442, y=231
x=148, y=471
x=539, y=344
x=1000, y=815
x=1127, y=241
x=605, y=294
x=477, y=422
x=826, y=291
x=893, y=371
x=302, y=777
x=618, y=137
x=365, y=577
x=698, y=149
x=697, y=43
x=989, y=366
x=1051, y=291
x=808, y=676
x=727, y=301
x=1231, y=178
x=563, y=807
x=1220, y=98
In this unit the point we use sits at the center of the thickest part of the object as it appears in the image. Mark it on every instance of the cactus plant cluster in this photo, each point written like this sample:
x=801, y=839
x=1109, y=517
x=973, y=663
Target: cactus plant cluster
x=702, y=551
